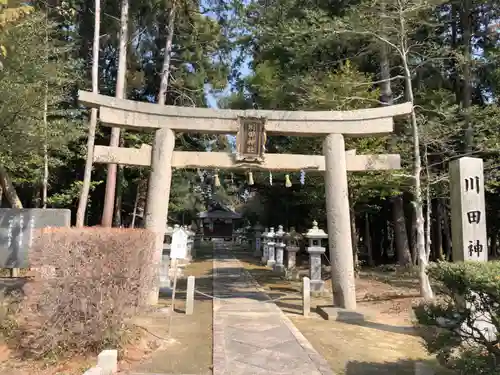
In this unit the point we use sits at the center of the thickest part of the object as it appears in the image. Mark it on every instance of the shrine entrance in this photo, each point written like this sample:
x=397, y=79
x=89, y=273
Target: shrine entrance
x=252, y=128
x=218, y=222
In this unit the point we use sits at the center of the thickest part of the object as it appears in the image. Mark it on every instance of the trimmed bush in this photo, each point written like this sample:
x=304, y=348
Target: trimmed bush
x=460, y=325
x=87, y=284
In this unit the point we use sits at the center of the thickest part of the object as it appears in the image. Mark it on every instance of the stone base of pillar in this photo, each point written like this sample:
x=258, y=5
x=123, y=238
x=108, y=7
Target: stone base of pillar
x=278, y=267
x=264, y=259
x=317, y=287
x=340, y=314
x=270, y=263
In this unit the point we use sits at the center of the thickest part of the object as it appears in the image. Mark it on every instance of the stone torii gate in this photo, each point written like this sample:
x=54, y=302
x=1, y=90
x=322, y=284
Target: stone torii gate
x=252, y=127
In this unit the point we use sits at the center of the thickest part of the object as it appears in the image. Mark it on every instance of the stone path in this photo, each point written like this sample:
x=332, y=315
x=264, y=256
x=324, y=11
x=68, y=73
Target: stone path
x=251, y=335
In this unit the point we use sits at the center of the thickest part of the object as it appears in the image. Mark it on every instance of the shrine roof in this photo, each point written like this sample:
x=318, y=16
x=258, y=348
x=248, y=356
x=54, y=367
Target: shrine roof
x=218, y=211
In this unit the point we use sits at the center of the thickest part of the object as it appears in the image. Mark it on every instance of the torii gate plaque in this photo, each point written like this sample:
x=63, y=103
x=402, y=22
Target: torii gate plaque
x=251, y=140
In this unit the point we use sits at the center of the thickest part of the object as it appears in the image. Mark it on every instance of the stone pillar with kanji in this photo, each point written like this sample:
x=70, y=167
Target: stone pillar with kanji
x=270, y=248
x=265, y=248
x=468, y=211
x=315, y=250
x=279, y=249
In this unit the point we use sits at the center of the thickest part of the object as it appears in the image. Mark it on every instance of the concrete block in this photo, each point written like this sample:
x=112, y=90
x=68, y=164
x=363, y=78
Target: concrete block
x=107, y=360
x=94, y=371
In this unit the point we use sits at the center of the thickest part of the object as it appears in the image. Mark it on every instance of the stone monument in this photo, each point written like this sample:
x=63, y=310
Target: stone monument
x=468, y=216
x=315, y=250
x=468, y=220
x=16, y=232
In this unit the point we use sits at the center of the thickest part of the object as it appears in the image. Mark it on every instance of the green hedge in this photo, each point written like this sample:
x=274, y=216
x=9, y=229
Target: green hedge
x=468, y=293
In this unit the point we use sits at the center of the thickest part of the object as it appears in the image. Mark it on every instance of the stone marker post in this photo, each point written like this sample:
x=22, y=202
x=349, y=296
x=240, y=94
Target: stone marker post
x=279, y=249
x=270, y=248
x=190, y=295
x=265, y=248
x=315, y=250
x=468, y=215
x=306, y=296
x=292, y=248
x=468, y=220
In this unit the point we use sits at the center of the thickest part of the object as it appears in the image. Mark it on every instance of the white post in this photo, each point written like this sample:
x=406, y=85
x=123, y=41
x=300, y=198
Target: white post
x=339, y=227
x=158, y=196
x=190, y=295
x=306, y=296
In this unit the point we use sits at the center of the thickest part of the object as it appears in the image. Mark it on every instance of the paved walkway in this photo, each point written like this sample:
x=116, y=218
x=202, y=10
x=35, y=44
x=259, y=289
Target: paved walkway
x=252, y=336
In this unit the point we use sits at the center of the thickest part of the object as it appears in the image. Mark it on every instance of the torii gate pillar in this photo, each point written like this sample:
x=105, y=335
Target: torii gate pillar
x=160, y=179
x=339, y=224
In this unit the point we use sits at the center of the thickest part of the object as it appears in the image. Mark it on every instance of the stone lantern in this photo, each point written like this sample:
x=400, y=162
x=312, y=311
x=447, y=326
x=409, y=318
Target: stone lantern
x=292, y=242
x=315, y=250
x=167, y=239
x=257, y=229
x=265, y=248
x=280, y=248
x=270, y=248
x=164, y=273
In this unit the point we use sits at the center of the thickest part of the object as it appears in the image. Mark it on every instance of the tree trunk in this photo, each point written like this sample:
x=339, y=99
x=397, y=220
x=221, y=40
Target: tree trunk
x=109, y=197
x=136, y=202
x=45, y=181
x=400, y=234
x=87, y=176
x=377, y=231
x=411, y=228
x=386, y=243
x=117, y=217
x=428, y=223
x=438, y=229
x=398, y=216
x=368, y=242
x=354, y=240
x=493, y=244
x=8, y=189
x=446, y=232
x=423, y=256
x=162, y=95
x=466, y=21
